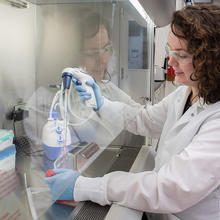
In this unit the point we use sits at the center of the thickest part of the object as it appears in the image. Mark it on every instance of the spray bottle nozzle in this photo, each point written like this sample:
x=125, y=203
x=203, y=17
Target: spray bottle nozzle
x=67, y=77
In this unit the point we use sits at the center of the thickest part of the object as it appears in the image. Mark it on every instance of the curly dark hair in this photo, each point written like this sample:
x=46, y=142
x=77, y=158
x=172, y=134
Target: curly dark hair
x=200, y=26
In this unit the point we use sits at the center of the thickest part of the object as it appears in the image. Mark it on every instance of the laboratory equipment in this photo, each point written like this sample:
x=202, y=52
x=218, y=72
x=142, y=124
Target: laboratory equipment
x=50, y=173
x=53, y=139
x=7, y=158
x=56, y=135
x=7, y=150
x=82, y=76
x=6, y=138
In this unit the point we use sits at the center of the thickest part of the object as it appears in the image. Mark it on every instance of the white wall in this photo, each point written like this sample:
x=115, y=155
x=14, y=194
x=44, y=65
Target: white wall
x=17, y=56
x=160, y=42
x=161, y=38
x=57, y=41
x=179, y=4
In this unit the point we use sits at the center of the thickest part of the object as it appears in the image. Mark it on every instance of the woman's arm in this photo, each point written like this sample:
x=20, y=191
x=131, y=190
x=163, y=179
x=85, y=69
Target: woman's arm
x=187, y=179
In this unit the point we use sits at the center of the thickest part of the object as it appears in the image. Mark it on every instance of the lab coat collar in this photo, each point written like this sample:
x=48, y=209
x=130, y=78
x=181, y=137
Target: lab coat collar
x=180, y=101
x=200, y=103
x=194, y=110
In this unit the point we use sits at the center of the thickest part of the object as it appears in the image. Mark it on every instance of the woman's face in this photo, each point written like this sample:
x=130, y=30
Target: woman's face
x=180, y=60
x=97, y=53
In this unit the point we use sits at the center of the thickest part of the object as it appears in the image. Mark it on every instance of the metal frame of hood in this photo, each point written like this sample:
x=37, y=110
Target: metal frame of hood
x=44, y=2
x=162, y=8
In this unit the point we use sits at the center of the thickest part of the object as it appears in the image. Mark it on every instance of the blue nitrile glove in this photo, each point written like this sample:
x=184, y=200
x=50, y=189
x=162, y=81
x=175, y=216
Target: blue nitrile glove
x=84, y=95
x=62, y=184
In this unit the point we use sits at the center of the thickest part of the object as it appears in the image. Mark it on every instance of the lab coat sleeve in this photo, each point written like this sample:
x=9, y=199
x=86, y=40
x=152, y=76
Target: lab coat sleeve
x=184, y=181
x=119, y=95
x=141, y=120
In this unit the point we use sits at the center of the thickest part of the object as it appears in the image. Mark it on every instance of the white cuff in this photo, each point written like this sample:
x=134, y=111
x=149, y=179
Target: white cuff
x=93, y=189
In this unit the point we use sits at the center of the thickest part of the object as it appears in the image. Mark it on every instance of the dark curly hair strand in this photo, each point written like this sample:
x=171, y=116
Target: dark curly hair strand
x=200, y=27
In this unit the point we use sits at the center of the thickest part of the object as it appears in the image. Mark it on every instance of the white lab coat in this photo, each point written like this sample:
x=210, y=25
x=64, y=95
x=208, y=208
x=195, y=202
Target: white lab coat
x=186, y=178
x=94, y=130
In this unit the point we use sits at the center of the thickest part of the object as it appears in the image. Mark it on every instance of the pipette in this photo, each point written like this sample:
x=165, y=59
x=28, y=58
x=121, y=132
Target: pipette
x=82, y=77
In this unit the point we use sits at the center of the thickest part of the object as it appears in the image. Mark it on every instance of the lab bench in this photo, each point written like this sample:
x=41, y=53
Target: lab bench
x=123, y=158
x=137, y=160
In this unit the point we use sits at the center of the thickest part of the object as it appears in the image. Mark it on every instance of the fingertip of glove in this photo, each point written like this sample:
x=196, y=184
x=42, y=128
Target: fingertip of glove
x=90, y=82
x=80, y=88
x=46, y=180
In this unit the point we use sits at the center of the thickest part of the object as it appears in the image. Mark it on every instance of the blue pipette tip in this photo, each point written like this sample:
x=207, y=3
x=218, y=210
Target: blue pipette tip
x=67, y=77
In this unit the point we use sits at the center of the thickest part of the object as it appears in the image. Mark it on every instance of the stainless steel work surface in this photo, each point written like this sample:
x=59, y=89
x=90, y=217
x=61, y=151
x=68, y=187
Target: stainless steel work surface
x=111, y=159
x=83, y=211
x=143, y=162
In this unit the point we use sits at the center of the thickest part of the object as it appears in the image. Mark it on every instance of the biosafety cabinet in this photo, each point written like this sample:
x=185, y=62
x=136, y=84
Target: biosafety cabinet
x=45, y=126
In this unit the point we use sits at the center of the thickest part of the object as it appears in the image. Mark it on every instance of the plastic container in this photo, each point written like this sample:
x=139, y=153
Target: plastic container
x=53, y=138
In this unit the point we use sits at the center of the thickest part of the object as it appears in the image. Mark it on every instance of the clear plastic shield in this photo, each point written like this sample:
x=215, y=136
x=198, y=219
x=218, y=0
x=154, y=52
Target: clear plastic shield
x=56, y=130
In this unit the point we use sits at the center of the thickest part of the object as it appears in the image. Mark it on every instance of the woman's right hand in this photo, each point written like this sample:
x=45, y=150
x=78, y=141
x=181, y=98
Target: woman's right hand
x=84, y=95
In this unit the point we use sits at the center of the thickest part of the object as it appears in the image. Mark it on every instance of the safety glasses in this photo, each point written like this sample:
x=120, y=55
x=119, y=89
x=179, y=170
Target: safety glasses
x=180, y=56
x=93, y=53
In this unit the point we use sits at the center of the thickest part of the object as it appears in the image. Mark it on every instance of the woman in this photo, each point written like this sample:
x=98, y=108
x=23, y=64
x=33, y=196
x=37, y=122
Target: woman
x=186, y=178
